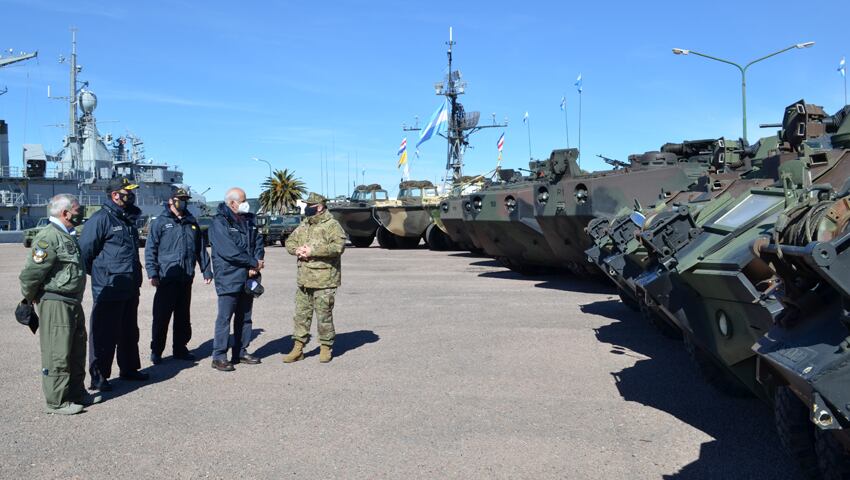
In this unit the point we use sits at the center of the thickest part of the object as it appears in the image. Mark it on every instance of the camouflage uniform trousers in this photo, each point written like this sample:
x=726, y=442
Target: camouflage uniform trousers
x=321, y=301
x=62, y=335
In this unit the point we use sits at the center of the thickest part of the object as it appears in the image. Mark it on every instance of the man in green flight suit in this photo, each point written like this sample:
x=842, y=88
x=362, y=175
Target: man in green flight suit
x=54, y=278
x=318, y=244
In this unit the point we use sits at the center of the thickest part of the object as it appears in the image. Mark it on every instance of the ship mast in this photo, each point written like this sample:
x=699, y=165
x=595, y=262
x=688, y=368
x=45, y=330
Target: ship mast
x=460, y=125
x=72, y=95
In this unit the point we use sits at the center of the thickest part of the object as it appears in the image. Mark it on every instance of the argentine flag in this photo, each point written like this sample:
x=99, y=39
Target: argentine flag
x=440, y=118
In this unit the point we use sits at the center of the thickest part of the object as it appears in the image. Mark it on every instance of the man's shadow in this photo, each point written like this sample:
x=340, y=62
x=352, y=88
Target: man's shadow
x=344, y=342
x=168, y=369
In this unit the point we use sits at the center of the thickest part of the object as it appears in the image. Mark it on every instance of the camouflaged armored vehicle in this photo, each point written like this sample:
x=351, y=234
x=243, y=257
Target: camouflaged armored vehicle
x=501, y=220
x=355, y=215
x=752, y=269
x=615, y=249
x=565, y=199
x=449, y=217
x=403, y=221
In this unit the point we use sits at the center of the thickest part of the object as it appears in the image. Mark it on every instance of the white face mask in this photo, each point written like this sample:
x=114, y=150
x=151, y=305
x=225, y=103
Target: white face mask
x=244, y=207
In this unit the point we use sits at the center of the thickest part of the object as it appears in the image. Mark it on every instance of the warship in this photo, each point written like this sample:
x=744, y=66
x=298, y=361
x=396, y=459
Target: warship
x=83, y=167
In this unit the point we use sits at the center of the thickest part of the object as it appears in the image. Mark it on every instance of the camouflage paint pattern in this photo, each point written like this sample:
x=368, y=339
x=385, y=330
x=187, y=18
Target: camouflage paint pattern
x=355, y=215
x=318, y=300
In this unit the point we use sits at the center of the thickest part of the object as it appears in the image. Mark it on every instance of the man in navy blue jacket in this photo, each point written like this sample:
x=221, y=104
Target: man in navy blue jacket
x=110, y=251
x=237, y=254
x=175, y=244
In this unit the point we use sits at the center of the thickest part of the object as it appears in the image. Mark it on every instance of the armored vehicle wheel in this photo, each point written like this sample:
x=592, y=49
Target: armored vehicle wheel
x=27, y=242
x=796, y=432
x=386, y=239
x=406, y=242
x=361, y=242
x=437, y=240
x=713, y=373
x=833, y=460
x=628, y=300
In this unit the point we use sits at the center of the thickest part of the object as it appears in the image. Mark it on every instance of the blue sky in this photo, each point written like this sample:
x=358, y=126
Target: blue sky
x=209, y=85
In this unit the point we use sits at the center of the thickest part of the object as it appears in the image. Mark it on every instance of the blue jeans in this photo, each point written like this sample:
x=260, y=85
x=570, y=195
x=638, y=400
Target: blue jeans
x=238, y=306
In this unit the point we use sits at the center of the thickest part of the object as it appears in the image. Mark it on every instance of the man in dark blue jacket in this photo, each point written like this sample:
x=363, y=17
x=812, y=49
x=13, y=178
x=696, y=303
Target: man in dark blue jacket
x=110, y=251
x=237, y=254
x=175, y=244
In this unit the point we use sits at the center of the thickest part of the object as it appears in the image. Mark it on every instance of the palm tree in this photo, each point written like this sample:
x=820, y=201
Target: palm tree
x=281, y=191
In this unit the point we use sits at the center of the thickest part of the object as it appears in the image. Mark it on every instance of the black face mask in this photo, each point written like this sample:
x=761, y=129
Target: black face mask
x=77, y=220
x=179, y=205
x=310, y=211
x=129, y=199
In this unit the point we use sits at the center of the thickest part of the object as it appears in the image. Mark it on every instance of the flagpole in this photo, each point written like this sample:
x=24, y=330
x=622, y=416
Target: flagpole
x=528, y=128
x=566, y=123
x=579, y=129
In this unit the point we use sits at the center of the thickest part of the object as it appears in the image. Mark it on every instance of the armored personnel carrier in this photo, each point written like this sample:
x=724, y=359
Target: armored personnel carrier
x=403, y=221
x=566, y=199
x=355, y=215
x=449, y=218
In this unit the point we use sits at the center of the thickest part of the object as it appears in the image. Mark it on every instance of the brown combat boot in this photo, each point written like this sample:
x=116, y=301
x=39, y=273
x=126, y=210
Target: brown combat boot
x=296, y=354
x=325, y=353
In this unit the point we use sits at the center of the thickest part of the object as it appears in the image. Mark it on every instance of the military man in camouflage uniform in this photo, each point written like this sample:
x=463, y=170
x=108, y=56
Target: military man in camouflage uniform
x=318, y=244
x=55, y=279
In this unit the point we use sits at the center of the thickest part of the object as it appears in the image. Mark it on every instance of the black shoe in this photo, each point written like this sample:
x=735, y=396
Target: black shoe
x=222, y=366
x=188, y=356
x=135, y=376
x=156, y=358
x=102, y=385
x=249, y=359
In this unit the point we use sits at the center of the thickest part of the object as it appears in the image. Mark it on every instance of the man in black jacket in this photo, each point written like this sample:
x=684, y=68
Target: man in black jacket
x=110, y=251
x=175, y=244
x=237, y=254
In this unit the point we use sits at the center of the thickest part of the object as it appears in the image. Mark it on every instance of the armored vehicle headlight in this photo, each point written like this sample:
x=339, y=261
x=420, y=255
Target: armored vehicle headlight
x=581, y=194
x=444, y=206
x=723, y=324
x=477, y=203
x=510, y=203
x=467, y=206
x=542, y=195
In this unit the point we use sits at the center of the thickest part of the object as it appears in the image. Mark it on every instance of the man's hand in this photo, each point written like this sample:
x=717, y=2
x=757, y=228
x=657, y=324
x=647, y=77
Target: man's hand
x=252, y=273
x=207, y=281
x=155, y=282
x=303, y=252
x=261, y=264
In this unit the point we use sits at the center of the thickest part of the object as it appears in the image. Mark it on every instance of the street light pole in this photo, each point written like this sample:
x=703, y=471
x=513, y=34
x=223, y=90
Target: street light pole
x=267, y=163
x=743, y=70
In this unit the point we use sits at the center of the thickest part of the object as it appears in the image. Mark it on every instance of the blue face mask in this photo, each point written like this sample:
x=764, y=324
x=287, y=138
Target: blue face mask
x=310, y=211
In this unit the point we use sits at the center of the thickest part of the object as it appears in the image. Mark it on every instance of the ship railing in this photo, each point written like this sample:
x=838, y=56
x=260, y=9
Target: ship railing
x=89, y=200
x=11, y=172
x=38, y=200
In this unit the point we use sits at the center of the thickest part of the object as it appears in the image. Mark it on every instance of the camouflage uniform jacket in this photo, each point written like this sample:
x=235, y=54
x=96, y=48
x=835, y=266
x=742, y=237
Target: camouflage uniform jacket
x=326, y=239
x=55, y=268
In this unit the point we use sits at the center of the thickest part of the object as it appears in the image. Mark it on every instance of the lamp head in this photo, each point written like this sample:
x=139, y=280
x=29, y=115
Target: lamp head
x=681, y=51
x=804, y=45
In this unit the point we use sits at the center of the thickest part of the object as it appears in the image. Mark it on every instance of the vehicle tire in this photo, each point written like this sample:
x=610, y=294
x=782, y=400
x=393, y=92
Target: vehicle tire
x=713, y=373
x=628, y=300
x=796, y=432
x=361, y=242
x=28, y=243
x=407, y=242
x=833, y=460
x=386, y=239
x=437, y=240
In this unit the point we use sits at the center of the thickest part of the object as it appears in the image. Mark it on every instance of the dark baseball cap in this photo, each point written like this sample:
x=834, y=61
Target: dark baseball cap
x=121, y=183
x=180, y=192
